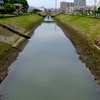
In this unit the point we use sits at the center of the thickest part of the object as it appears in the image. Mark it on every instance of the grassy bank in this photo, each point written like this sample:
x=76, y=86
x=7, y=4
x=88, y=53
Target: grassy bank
x=84, y=30
x=4, y=49
x=87, y=26
x=26, y=21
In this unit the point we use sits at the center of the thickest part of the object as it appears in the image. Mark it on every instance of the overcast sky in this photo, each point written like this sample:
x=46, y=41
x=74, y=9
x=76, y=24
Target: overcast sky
x=51, y=3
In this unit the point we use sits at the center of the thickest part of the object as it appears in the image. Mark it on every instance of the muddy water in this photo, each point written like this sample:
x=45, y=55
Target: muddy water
x=49, y=69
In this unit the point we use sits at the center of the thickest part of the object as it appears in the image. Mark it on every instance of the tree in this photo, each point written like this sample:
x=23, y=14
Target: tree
x=9, y=8
x=98, y=10
x=36, y=10
x=24, y=2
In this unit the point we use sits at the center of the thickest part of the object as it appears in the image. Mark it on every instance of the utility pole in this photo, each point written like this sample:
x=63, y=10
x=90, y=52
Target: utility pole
x=55, y=5
x=94, y=7
x=95, y=4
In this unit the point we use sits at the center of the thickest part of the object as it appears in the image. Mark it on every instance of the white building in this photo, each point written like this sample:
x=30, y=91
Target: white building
x=42, y=9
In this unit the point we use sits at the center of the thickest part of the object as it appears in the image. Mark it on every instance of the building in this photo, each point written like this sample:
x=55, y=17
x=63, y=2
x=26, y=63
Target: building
x=79, y=2
x=67, y=7
x=63, y=6
x=31, y=8
x=88, y=7
x=79, y=5
x=42, y=9
x=70, y=7
x=19, y=7
x=1, y=4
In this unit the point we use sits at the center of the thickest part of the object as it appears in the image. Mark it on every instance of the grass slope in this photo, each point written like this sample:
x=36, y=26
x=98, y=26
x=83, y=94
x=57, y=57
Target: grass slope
x=26, y=21
x=4, y=49
x=84, y=30
x=85, y=25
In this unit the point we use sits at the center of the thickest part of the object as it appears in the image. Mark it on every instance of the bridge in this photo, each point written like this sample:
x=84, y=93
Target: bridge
x=52, y=14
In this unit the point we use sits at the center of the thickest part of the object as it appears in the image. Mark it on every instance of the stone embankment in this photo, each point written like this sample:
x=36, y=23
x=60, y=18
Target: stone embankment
x=13, y=38
x=15, y=35
x=86, y=44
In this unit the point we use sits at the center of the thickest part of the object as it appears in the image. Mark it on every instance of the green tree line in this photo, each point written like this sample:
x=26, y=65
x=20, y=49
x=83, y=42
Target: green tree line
x=24, y=2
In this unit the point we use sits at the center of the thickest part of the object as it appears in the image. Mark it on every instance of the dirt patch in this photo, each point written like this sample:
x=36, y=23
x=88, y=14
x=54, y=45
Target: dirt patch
x=6, y=61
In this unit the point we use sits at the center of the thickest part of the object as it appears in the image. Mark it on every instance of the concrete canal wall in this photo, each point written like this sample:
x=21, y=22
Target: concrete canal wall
x=84, y=34
x=15, y=32
x=18, y=27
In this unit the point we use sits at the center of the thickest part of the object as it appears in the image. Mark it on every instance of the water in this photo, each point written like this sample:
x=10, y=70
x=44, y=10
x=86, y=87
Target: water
x=49, y=69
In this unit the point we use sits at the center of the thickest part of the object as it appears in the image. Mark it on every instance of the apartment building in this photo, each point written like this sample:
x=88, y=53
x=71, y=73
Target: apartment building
x=70, y=7
x=66, y=7
x=63, y=6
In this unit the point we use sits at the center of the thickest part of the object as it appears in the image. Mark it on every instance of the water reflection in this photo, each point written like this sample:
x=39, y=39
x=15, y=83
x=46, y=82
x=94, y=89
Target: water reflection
x=48, y=19
x=8, y=59
x=49, y=69
x=84, y=57
x=5, y=62
x=18, y=46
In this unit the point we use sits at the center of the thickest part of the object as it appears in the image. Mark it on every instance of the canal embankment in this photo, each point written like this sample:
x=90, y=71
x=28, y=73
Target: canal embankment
x=25, y=25
x=21, y=26
x=17, y=27
x=84, y=33
x=48, y=69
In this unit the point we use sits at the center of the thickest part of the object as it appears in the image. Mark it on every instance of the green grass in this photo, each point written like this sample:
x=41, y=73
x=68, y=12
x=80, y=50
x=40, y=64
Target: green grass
x=4, y=49
x=24, y=21
x=84, y=31
x=87, y=25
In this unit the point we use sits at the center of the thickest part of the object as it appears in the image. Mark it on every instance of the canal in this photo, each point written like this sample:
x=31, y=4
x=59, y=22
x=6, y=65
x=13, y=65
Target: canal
x=49, y=69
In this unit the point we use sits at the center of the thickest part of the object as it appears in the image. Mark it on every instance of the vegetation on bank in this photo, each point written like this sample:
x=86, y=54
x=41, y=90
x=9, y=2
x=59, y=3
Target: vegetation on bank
x=4, y=49
x=87, y=26
x=85, y=31
x=26, y=21
x=23, y=2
